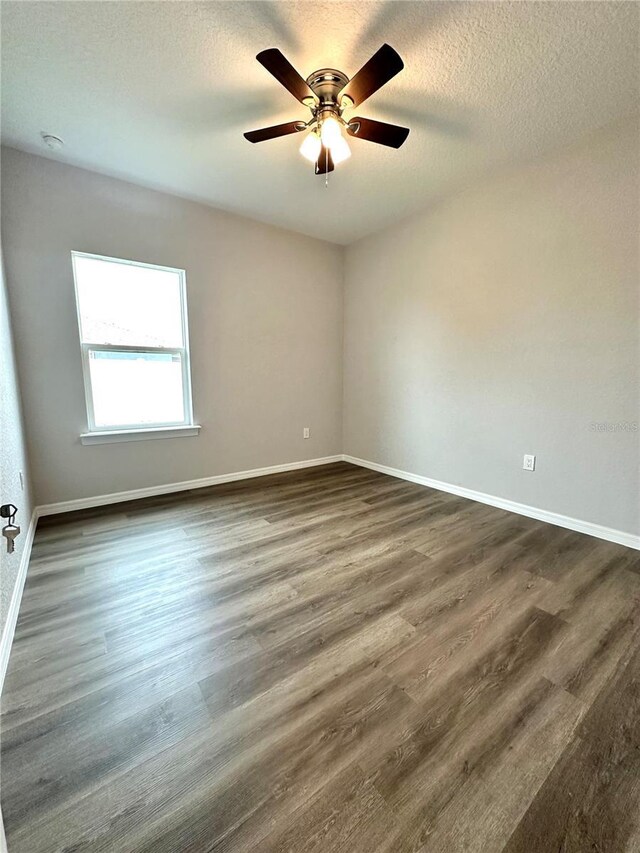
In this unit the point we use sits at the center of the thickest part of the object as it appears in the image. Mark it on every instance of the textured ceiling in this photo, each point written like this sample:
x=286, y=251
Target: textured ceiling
x=161, y=92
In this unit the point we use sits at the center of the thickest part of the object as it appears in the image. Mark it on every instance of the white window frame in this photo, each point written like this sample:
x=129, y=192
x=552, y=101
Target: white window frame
x=132, y=432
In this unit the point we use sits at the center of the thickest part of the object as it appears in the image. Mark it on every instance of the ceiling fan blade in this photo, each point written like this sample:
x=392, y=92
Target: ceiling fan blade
x=377, y=131
x=383, y=65
x=277, y=64
x=274, y=132
x=324, y=163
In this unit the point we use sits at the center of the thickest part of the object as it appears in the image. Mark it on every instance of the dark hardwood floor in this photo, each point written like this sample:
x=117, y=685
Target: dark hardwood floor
x=328, y=660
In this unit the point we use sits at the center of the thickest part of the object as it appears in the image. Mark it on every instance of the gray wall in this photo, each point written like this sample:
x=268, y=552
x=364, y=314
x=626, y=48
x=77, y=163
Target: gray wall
x=13, y=457
x=265, y=319
x=505, y=321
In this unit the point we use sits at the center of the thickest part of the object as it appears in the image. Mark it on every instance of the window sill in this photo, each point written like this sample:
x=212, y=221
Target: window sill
x=113, y=436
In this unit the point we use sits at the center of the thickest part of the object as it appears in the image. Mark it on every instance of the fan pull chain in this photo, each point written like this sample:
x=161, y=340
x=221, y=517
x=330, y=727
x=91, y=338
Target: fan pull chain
x=326, y=168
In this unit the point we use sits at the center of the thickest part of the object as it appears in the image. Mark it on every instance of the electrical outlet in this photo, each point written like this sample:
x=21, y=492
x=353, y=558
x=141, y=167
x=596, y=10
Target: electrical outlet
x=529, y=462
x=306, y=432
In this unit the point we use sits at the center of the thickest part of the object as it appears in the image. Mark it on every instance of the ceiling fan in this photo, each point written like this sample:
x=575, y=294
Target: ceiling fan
x=328, y=94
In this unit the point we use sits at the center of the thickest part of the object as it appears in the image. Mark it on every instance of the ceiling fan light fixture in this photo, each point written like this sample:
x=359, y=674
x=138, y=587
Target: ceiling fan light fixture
x=340, y=150
x=311, y=145
x=327, y=93
x=330, y=132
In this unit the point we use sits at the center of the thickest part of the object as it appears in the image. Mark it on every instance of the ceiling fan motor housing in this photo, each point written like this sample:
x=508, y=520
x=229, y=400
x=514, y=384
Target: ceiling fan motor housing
x=327, y=84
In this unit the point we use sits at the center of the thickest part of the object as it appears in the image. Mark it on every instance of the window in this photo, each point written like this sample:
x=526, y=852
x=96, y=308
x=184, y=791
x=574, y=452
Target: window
x=135, y=350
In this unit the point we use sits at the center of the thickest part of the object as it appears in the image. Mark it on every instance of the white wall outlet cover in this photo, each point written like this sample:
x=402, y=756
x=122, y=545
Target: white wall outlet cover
x=529, y=462
x=306, y=432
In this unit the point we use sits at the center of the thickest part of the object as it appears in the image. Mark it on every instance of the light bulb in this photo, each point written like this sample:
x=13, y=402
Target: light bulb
x=330, y=132
x=340, y=150
x=311, y=146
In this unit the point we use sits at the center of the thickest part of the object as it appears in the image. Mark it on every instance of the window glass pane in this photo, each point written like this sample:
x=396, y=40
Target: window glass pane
x=131, y=388
x=128, y=305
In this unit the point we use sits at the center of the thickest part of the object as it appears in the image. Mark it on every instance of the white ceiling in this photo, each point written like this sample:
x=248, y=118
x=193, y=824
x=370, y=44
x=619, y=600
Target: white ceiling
x=160, y=93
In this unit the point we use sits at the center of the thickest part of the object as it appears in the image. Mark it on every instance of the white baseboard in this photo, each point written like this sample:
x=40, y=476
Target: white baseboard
x=3, y=840
x=186, y=485
x=597, y=530
x=16, y=598
x=611, y=535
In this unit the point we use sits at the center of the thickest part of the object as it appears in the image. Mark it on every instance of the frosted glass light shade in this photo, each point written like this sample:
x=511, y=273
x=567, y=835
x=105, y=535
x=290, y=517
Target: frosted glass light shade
x=330, y=132
x=340, y=150
x=310, y=147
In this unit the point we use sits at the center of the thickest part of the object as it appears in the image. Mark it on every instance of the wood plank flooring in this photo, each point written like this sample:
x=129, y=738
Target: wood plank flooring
x=328, y=660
